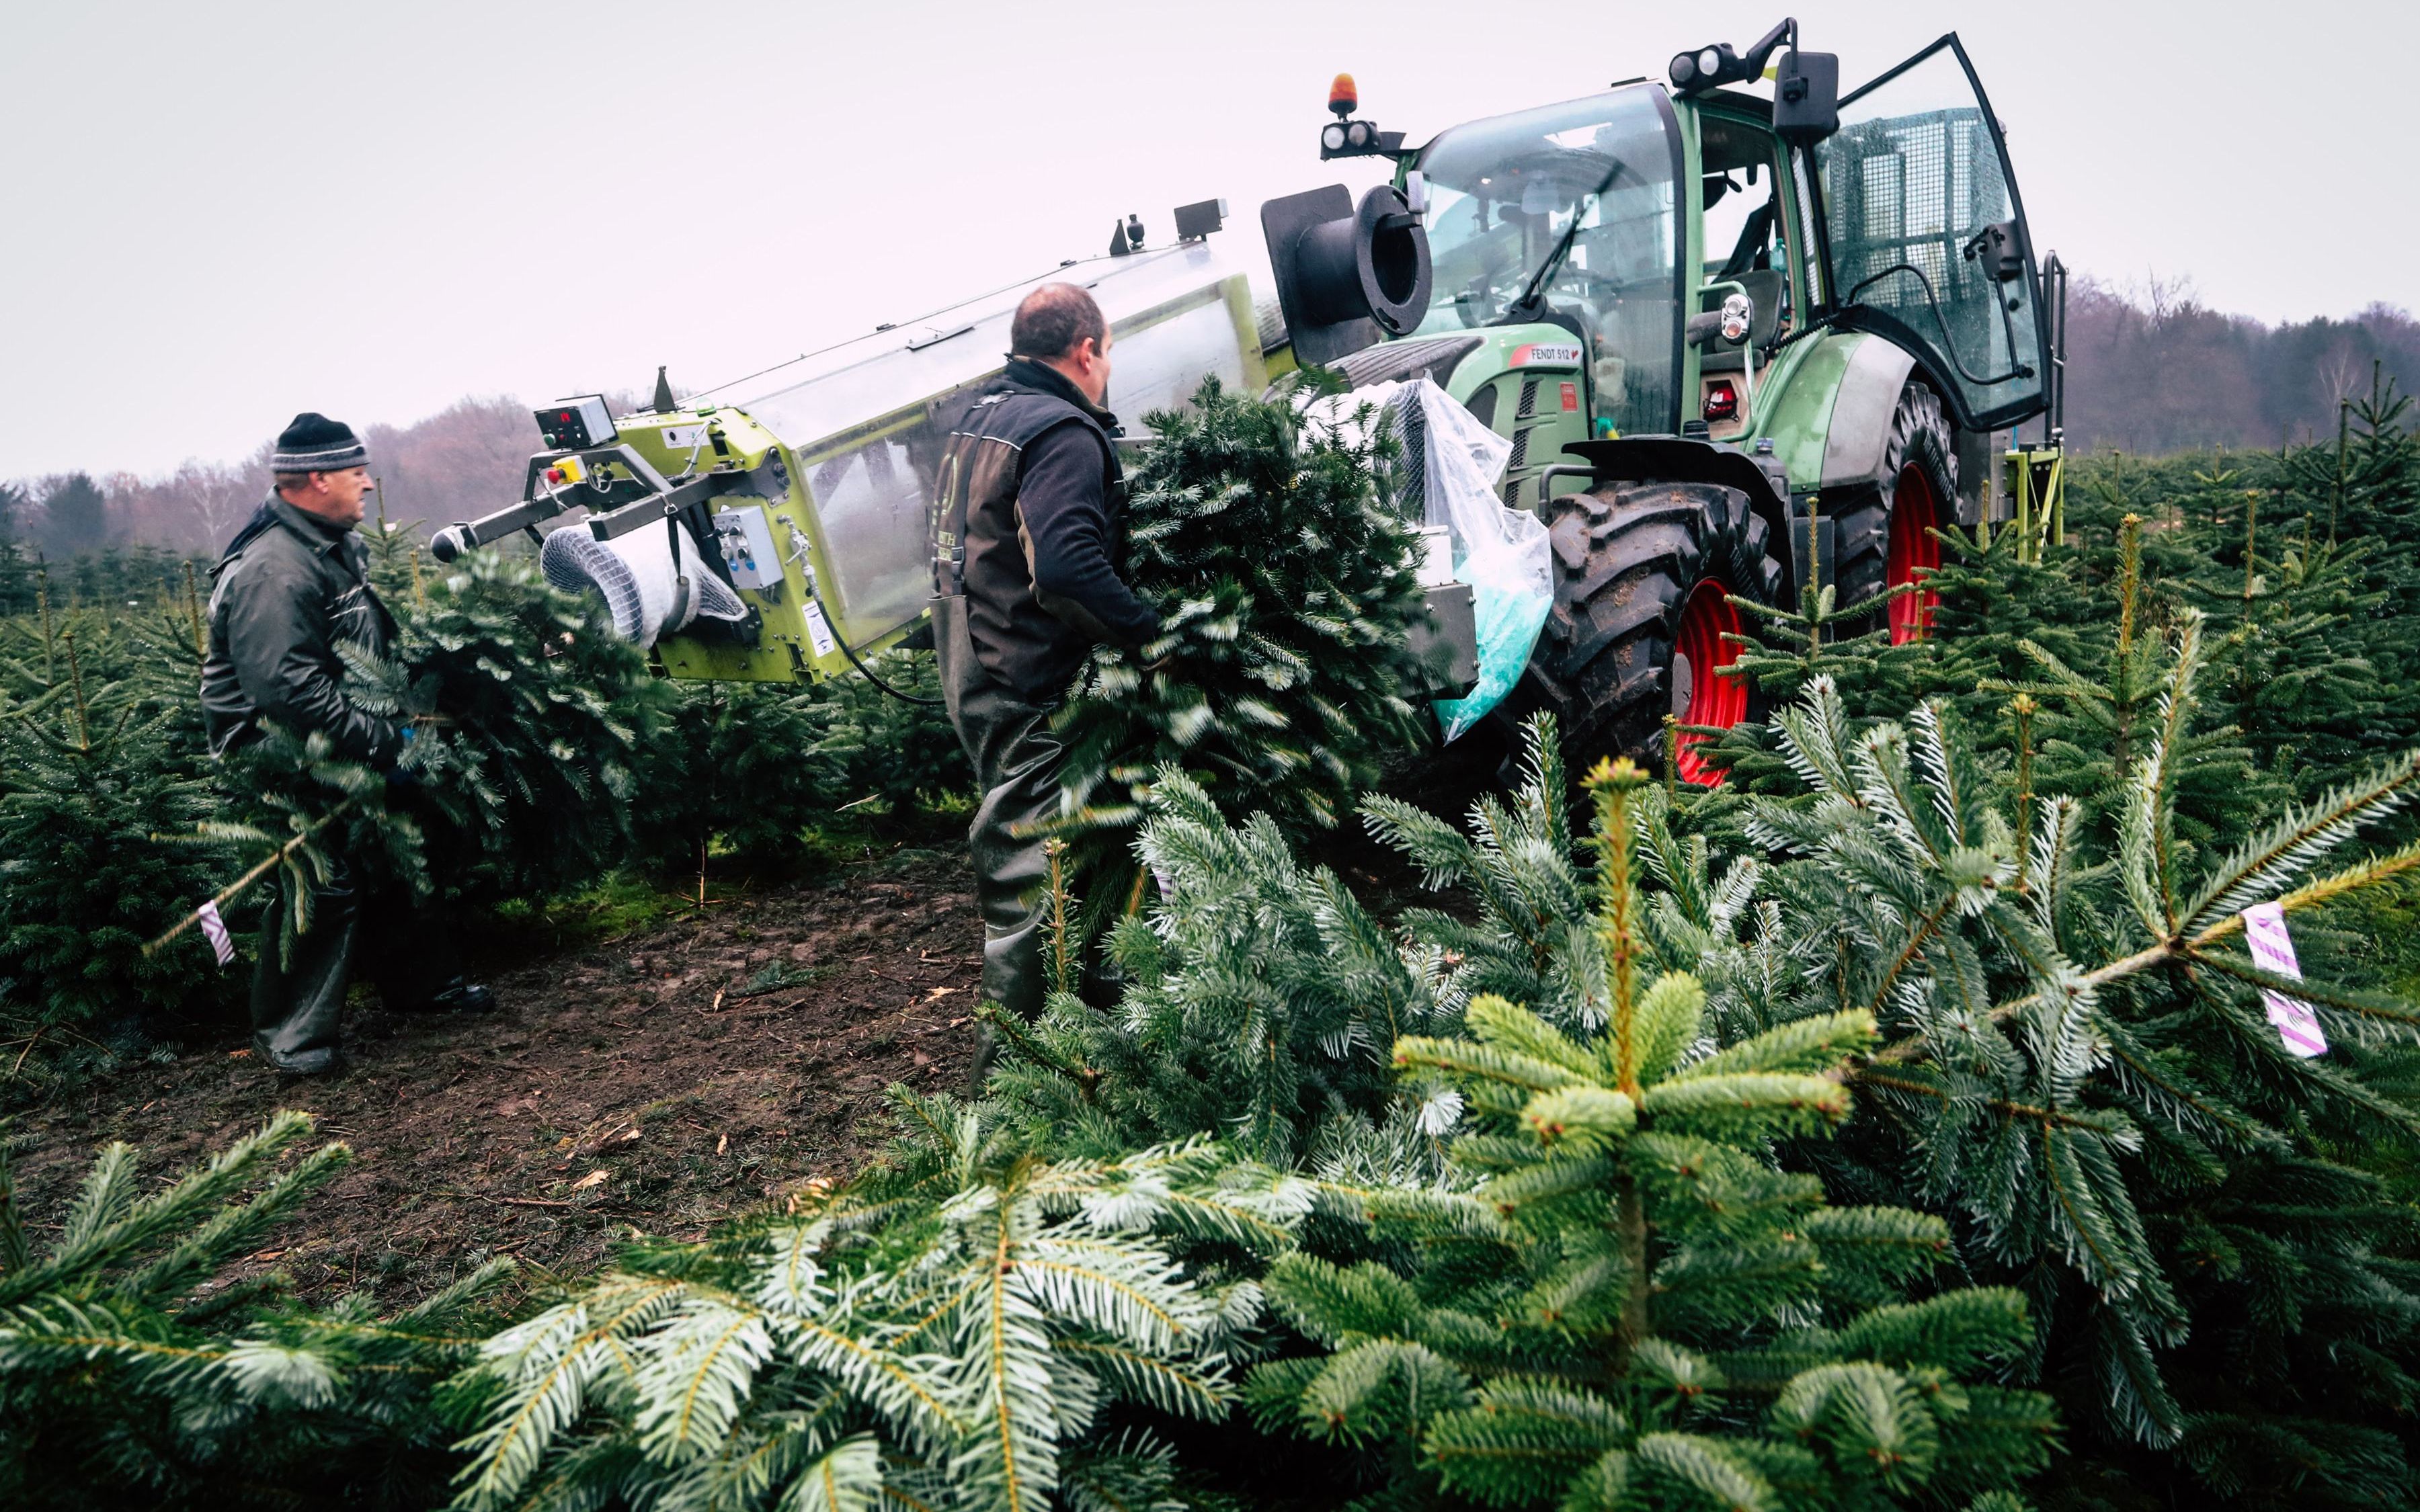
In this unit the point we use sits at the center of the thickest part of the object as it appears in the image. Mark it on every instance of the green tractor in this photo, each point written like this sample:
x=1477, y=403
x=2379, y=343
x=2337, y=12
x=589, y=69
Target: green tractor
x=1734, y=342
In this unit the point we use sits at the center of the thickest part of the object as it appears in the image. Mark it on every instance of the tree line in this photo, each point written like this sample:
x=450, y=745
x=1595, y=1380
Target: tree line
x=2152, y=370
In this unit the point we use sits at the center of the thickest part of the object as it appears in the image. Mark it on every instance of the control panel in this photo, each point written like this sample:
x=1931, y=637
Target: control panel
x=747, y=543
x=576, y=423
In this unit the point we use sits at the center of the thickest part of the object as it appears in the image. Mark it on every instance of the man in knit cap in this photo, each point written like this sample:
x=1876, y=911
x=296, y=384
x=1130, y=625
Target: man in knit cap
x=292, y=587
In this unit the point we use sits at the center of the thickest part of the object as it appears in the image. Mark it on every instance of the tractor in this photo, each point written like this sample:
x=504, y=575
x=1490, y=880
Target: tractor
x=1737, y=342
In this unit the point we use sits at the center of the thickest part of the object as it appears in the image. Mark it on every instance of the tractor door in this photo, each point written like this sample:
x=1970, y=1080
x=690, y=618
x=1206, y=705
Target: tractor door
x=1926, y=235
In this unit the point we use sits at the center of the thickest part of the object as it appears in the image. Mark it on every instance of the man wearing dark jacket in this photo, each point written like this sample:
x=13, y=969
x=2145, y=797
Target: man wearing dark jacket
x=1028, y=503
x=292, y=587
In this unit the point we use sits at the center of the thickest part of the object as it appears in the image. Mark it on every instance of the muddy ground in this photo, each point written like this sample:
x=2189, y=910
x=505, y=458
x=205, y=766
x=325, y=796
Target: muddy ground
x=657, y=1081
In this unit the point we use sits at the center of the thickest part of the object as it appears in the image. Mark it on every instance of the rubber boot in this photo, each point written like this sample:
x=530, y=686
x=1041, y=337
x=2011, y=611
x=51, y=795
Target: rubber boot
x=1016, y=760
x=298, y=1004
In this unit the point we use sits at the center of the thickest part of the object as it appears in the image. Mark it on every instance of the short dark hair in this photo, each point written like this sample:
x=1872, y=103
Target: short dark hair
x=293, y=479
x=1054, y=320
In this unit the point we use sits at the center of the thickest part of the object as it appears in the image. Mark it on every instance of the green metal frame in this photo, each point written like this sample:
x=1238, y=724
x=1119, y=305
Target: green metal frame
x=2034, y=478
x=787, y=648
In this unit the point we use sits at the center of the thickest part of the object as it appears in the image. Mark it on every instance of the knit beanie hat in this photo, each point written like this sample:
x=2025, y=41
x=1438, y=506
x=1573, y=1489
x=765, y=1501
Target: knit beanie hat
x=315, y=443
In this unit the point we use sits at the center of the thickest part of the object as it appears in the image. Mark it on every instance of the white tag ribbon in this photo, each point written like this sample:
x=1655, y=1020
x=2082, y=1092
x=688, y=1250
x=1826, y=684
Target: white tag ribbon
x=2272, y=950
x=215, y=931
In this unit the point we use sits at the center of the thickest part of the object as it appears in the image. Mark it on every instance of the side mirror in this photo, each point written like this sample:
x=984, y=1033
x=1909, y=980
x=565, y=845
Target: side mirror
x=1806, y=98
x=2000, y=249
x=1346, y=274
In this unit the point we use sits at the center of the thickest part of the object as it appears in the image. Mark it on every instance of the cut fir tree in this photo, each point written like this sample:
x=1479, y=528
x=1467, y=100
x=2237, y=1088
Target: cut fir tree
x=525, y=713
x=143, y=1363
x=1282, y=675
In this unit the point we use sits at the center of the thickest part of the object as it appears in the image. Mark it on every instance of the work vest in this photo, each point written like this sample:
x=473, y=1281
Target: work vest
x=978, y=547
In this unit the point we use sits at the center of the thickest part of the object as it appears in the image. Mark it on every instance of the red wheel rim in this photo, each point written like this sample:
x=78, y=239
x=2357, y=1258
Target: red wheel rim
x=1704, y=692
x=1916, y=511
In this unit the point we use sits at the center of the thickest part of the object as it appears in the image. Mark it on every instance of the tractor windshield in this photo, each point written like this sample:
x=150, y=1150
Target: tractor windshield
x=1504, y=198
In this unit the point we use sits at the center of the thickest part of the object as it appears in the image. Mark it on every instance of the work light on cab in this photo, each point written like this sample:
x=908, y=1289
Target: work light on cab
x=1345, y=137
x=1707, y=68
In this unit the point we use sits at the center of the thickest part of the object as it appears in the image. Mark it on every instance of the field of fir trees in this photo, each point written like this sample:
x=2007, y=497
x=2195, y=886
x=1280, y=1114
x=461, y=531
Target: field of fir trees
x=1905, y=1122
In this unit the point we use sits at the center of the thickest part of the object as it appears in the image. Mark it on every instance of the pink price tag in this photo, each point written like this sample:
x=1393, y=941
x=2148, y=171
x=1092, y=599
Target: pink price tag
x=2272, y=950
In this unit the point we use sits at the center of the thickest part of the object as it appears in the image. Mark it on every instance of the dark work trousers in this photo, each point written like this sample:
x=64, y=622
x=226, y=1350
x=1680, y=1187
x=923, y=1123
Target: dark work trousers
x=298, y=1005
x=1016, y=760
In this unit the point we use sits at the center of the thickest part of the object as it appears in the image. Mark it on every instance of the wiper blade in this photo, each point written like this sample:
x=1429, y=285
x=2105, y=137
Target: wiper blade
x=1531, y=304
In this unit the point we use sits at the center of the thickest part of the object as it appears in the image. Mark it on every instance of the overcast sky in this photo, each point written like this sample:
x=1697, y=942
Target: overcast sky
x=220, y=214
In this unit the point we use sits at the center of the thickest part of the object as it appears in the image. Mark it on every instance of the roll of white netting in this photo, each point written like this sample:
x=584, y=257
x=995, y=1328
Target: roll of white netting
x=634, y=574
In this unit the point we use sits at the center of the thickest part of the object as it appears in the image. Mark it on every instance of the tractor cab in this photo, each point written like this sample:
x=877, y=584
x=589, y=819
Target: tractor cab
x=1564, y=216
x=1739, y=340
x=1670, y=252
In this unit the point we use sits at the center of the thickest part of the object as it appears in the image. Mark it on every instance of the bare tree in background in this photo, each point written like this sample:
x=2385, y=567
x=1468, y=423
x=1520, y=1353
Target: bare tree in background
x=198, y=506
x=2342, y=369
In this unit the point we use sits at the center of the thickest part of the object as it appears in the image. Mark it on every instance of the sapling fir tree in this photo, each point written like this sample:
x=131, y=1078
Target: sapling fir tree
x=1258, y=1001
x=2078, y=1071
x=82, y=889
x=1615, y=1299
x=139, y=1366
x=746, y=766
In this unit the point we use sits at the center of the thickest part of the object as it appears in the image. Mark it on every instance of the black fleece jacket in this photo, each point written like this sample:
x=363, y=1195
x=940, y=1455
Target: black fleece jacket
x=1063, y=495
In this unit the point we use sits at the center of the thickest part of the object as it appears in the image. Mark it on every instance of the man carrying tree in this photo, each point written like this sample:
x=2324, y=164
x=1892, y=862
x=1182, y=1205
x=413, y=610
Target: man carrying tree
x=292, y=587
x=1028, y=503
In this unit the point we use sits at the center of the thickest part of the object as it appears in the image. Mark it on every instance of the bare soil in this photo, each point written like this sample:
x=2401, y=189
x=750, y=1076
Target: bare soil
x=636, y=1084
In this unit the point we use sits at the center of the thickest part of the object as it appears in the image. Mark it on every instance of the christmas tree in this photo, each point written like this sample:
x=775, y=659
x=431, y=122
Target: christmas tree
x=974, y=1326
x=1282, y=677
x=2079, y=1071
x=1258, y=1001
x=1614, y=1300
x=525, y=711
x=82, y=788
x=746, y=766
x=137, y=1370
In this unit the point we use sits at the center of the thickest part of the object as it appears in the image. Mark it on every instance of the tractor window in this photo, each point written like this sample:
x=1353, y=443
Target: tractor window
x=1914, y=184
x=1810, y=256
x=1504, y=193
x=1743, y=232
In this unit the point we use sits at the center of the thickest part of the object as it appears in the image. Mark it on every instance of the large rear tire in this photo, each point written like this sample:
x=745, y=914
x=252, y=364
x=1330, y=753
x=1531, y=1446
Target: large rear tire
x=1641, y=574
x=1884, y=528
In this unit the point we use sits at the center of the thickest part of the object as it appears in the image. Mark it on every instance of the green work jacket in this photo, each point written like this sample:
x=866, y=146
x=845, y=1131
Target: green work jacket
x=281, y=601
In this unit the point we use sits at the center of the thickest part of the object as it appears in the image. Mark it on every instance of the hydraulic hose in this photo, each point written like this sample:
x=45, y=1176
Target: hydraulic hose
x=847, y=651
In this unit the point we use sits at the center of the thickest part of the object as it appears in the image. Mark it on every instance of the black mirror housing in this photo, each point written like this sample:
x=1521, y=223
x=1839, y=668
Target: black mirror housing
x=1806, y=98
x=2001, y=250
x=1347, y=276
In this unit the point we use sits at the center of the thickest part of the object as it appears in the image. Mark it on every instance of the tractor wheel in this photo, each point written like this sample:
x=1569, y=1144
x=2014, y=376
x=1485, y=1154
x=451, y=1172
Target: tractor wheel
x=1641, y=574
x=1882, y=527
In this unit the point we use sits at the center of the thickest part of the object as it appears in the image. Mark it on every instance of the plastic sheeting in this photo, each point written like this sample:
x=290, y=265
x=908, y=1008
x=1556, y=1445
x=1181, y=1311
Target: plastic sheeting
x=1451, y=466
x=634, y=574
